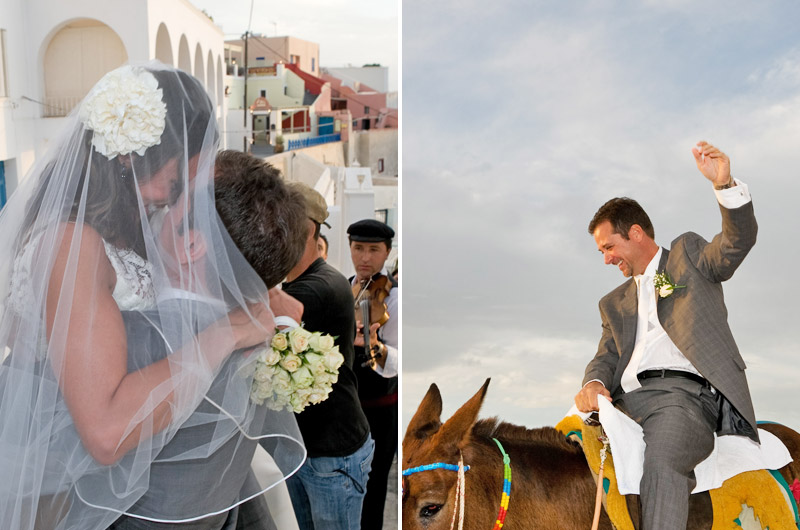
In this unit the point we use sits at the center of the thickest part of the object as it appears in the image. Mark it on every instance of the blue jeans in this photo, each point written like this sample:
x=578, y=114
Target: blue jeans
x=327, y=492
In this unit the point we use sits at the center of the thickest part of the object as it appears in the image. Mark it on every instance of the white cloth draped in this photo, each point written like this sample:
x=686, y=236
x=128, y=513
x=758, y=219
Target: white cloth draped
x=731, y=455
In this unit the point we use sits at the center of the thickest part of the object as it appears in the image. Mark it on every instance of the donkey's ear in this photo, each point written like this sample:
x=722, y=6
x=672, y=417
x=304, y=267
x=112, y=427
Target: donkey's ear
x=457, y=428
x=427, y=419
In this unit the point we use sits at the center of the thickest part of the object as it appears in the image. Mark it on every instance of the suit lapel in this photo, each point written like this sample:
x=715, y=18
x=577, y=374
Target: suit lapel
x=664, y=305
x=662, y=263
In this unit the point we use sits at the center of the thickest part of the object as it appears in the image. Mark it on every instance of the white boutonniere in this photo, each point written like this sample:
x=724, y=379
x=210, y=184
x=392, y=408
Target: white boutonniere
x=664, y=285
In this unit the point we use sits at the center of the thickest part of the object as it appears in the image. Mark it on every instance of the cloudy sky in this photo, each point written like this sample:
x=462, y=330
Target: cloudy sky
x=349, y=32
x=520, y=118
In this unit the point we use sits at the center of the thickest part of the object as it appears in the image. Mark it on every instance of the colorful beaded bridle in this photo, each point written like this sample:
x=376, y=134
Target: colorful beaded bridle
x=461, y=469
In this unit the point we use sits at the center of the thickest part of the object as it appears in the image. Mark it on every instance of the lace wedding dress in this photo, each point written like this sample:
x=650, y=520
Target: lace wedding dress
x=133, y=290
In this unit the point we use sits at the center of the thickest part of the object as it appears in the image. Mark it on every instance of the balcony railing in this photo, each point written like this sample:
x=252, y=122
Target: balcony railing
x=57, y=107
x=314, y=140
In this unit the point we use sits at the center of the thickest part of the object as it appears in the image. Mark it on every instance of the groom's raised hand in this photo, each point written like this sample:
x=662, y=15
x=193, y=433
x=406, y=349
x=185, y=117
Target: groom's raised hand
x=713, y=164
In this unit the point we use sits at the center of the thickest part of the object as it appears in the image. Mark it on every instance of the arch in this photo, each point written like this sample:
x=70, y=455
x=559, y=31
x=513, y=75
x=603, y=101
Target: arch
x=199, y=71
x=164, y=45
x=220, y=88
x=77, y=56
x=211, y=86
x=184, y=61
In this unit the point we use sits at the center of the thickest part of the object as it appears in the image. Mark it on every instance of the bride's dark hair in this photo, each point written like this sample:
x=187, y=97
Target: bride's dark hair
x=111, y=204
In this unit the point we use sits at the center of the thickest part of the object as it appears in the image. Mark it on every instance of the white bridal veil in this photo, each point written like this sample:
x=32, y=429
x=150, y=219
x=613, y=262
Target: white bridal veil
x=126, y=372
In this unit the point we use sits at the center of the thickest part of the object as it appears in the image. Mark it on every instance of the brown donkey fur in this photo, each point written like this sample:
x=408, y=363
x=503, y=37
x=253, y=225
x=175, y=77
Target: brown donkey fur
x=551, y=485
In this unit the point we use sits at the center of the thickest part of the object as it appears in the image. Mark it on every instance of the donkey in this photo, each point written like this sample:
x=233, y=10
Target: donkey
x=551, y=485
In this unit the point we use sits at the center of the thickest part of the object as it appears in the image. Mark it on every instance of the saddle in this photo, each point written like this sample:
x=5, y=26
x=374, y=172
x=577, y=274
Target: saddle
x=765, y=492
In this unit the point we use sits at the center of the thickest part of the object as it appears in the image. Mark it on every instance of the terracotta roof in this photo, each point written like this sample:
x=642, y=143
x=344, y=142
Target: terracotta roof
x=313, y=84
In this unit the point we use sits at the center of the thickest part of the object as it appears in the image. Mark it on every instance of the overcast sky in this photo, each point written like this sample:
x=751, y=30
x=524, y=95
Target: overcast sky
x=349, y=32
x=520, y=118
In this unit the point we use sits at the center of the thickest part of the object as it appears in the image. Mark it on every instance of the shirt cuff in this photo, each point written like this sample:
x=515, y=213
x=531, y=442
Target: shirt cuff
x=389, y=369
x=593, y=380
x=735, y=196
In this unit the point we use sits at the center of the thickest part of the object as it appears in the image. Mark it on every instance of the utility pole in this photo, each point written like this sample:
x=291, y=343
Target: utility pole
x=244, y=104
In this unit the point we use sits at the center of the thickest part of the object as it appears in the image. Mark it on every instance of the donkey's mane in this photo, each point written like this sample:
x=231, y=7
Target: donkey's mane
x=494, y=428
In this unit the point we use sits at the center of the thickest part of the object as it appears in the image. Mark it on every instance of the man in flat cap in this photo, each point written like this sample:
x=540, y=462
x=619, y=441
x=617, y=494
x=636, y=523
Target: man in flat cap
x=370, y=244
x=328, y=490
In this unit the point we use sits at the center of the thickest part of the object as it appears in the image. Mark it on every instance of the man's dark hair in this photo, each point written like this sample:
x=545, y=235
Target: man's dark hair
x=325, y=239
x=622, y=213
x=265, y=219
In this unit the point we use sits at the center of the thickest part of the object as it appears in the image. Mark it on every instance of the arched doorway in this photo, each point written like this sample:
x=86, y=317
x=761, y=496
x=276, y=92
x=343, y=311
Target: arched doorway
x=211, y=86
x=199, y=70
x=78, y=55
x=164, y=45
x=184, y=62
x=220, y=88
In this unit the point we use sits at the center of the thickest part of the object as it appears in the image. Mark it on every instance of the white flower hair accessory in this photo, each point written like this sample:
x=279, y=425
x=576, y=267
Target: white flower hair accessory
x=126, y=112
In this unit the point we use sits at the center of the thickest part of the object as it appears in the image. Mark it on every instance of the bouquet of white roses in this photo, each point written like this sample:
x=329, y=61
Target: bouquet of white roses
x=298, y=369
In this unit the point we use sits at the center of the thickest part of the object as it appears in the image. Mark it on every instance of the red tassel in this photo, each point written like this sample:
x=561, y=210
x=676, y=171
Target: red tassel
x=795, y=487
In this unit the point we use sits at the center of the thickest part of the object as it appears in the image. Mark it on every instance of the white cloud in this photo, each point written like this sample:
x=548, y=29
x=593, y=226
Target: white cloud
x=517, y=126
x=533, y=377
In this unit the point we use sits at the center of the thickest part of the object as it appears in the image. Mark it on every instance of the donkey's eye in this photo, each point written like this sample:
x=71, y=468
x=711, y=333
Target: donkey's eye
x=430, y=510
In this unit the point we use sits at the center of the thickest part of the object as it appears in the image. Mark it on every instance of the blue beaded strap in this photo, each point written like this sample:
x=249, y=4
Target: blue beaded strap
x=428, y=467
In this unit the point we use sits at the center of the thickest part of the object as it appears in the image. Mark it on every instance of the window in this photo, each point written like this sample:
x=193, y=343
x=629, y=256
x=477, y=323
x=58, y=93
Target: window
x=263, y=93
x=380, y=165
x=365, y=122
x=313, y=63
x=294, y=59
x=3, y=82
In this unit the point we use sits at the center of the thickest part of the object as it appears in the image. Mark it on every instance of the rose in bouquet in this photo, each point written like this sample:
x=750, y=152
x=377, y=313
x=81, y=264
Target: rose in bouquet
x=298, y=369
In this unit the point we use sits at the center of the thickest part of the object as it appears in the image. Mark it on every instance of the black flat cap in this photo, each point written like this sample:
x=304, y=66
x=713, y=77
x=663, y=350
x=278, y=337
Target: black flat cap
x=370, y=231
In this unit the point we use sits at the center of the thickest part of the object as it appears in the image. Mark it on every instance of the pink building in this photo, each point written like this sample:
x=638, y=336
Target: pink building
x=367, y=106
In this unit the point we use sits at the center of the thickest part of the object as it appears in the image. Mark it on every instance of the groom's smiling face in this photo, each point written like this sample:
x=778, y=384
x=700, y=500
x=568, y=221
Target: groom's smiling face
x=625, y=253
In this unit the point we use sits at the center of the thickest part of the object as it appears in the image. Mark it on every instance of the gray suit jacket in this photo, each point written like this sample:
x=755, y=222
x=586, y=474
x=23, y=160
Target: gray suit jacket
x=695, y=317
x=210, y=481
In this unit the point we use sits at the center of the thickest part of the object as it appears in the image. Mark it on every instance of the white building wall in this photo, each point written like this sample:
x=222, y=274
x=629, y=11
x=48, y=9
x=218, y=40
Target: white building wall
x=295, y=86
x=182, y=18
x=31, y=26
x=352, y=194
x=375, y=77
x=375, y=145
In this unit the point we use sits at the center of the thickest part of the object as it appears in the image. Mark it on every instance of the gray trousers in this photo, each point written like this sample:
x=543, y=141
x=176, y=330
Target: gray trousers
x=678, y=417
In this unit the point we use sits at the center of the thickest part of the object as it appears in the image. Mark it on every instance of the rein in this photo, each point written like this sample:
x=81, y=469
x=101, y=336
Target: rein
x=599, y=497
x=460, y=486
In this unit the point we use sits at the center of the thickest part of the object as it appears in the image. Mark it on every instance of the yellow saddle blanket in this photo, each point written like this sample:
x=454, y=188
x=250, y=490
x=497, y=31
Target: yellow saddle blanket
x=757, y=489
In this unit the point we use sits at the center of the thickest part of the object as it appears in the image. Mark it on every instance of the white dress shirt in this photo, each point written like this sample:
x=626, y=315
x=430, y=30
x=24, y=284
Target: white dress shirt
x=659, y=350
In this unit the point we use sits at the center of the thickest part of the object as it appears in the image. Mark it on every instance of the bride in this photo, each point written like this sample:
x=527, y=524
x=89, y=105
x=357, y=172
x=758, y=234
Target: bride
x=88, y=406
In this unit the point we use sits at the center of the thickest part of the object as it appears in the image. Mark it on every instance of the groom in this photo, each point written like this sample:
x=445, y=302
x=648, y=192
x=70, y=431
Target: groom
x=267, y=224
x=667, y=357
